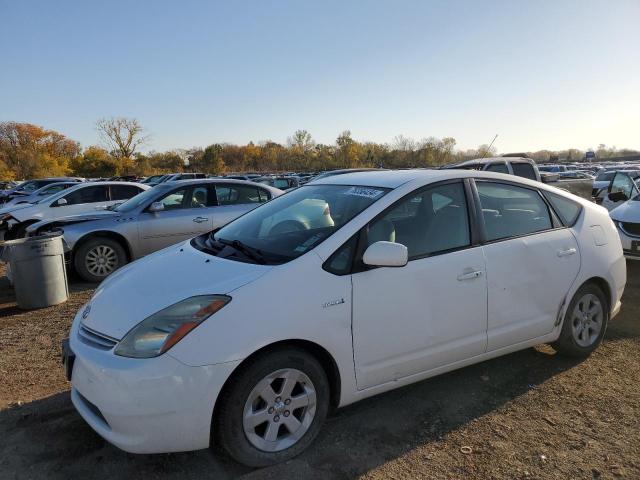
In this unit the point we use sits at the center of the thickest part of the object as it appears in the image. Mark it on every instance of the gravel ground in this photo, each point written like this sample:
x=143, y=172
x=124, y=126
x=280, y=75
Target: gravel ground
x=530, y=414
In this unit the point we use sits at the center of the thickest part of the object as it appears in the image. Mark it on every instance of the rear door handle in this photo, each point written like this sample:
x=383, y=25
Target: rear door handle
x=470, y=275
x=567, y=252
x=200, y=219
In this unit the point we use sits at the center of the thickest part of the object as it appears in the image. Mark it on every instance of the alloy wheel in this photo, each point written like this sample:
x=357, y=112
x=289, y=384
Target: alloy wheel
x=279, y=410
x=101, y=260
x=587, y=319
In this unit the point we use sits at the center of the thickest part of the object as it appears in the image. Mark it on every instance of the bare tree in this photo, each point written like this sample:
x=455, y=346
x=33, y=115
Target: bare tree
x=122, y=135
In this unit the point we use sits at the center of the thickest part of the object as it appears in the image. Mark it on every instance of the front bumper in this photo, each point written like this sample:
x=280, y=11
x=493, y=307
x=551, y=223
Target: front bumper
x=155, y=405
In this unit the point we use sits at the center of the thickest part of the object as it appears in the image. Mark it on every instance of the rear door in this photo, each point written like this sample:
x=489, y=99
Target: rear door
x=531, y=259
x=187, y=213
x=234, y=200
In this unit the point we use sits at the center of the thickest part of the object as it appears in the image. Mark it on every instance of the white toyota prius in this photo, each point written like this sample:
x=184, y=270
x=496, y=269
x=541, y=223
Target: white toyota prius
x=350, y=286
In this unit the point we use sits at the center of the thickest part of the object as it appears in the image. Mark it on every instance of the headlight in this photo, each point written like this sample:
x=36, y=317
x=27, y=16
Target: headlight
x=162, y=330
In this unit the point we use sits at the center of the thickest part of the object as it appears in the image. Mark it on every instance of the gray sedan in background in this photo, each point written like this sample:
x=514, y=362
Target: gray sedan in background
x=99, y=243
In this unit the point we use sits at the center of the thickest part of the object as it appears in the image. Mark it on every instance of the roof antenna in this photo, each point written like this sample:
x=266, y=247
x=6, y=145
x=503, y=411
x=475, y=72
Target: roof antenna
x=489, y=147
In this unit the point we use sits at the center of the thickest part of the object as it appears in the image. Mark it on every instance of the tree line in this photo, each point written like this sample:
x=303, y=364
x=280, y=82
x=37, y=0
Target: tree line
x=31, y=151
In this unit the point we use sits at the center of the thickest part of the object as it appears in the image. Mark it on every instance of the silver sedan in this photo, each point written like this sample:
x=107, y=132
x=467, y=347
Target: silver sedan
x=99, y=243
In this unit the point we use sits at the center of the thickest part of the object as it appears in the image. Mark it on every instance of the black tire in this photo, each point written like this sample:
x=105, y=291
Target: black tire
x=568, y=343
x=80, y=258
x=227, y=426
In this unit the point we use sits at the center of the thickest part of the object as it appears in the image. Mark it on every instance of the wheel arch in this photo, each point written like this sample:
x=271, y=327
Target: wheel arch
x=321, y=354
x=603, y=285
x=105, y=234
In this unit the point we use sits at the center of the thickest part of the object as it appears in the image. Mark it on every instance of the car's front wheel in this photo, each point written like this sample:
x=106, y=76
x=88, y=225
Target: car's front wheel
x=585, y=322
x=98, y=258
x=273, y=408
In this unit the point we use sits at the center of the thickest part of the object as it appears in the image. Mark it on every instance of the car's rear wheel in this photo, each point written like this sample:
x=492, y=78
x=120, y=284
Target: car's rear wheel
x=273, y=408
x=585, y=322
x=98, y=258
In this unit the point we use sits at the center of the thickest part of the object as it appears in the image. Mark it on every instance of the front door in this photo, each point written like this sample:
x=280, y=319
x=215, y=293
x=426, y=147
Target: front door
x=187, y=213
x=621, y=189
x=431, y=312
x=531, y=263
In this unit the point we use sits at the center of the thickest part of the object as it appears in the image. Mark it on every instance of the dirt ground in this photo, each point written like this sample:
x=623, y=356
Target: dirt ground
x=528, y=415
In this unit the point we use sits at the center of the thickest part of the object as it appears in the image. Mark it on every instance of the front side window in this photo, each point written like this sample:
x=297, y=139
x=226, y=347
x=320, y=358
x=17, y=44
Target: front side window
x=175, y=200
x=510, y=211
x=292, y=224
x=87, y=195
x=200, y=197
x=431, y=221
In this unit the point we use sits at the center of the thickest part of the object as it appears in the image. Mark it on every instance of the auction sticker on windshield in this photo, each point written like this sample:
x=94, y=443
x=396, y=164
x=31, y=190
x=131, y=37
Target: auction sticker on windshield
x=364, y=192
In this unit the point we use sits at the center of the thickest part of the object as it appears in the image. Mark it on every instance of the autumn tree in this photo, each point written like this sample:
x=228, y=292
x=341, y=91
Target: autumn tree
x=212, y=161
x=123, y=136
x=30, y=151
x=95, y=162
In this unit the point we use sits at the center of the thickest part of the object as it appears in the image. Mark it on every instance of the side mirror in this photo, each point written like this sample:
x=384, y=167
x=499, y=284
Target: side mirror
x=61, y=202
x=386, y=254
x=156, y=207
x=618, y=197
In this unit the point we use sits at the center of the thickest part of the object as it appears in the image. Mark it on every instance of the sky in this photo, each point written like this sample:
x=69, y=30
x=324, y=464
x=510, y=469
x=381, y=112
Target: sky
x=544, y=74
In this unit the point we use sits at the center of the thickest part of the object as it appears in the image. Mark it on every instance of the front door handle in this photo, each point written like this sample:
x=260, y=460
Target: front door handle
x=200, y=219
x=470, y=275
x=567, y=252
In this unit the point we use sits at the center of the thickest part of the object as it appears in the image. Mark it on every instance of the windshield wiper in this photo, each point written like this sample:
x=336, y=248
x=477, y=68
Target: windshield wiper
x=253, y=253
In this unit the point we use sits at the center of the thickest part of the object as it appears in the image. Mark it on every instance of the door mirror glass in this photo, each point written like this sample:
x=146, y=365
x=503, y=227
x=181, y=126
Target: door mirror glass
x=156, y=207
x=61, y=202
x=386, y=254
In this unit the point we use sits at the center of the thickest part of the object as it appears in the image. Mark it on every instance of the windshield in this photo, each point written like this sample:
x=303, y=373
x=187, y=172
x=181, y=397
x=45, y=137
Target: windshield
x=134, y=202
x=153, y=178
x=292, y=224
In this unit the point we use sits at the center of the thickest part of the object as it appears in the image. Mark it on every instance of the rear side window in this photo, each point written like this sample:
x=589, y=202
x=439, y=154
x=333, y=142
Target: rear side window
x=498, y=167
x=511, y=211
x=524, y=170
x=567, y=210
x=238, y=194
x=123, y=192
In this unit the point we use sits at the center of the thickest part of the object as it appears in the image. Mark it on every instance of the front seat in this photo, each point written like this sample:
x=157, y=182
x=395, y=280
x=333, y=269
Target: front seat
x=381, y=231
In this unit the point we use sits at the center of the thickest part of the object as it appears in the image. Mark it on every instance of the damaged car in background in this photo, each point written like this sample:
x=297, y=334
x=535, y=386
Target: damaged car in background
x=99, y=243
x=82, y=198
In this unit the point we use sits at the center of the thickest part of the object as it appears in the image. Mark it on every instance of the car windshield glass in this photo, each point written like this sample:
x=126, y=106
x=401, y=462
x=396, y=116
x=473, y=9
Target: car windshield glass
x=292, y=224
x=138, y=200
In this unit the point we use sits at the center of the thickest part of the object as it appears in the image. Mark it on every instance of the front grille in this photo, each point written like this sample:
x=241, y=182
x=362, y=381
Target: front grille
x=631, y=228
x=95, y=339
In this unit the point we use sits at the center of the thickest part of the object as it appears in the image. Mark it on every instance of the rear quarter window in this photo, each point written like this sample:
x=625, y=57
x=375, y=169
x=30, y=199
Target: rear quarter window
x=567, y=209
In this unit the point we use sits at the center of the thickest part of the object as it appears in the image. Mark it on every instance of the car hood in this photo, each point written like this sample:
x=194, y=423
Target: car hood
x=163, y=278
x=14, y=207
x=629, y=211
